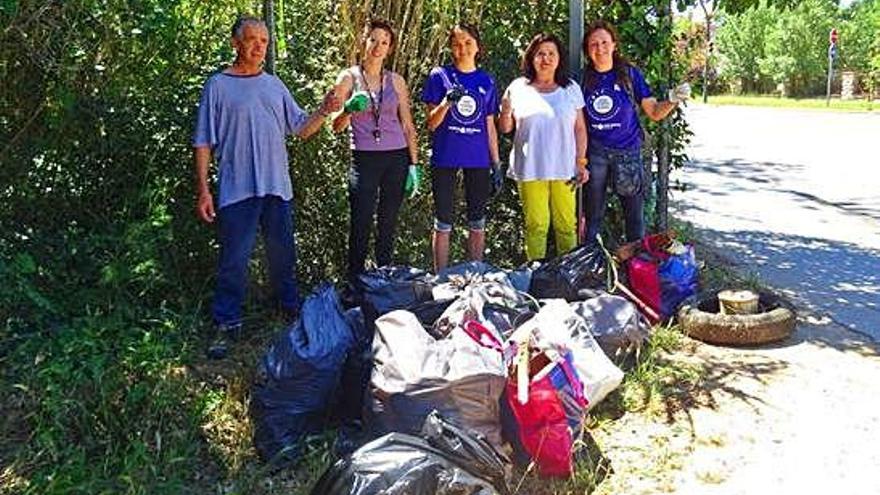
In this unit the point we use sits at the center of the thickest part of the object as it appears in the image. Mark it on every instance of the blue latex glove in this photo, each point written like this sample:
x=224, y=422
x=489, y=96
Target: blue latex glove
x=496, y=176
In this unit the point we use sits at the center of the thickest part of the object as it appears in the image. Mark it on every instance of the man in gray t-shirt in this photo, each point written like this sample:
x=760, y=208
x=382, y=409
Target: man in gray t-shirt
x=243, y=120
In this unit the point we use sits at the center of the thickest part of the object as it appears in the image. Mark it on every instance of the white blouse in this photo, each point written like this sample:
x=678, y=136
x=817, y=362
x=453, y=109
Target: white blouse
x=544, y=142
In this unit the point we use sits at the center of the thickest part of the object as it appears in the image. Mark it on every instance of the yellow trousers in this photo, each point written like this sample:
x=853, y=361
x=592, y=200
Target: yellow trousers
x=541, y=201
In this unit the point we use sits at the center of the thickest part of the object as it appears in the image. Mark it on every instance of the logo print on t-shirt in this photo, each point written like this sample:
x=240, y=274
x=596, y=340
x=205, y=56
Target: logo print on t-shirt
x=467, y=109
x=603, y=104
x=466, y=106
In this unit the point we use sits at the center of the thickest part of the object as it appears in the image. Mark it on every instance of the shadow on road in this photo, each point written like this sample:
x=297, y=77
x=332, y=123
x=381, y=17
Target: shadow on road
x=771, y=177
x=737, y=168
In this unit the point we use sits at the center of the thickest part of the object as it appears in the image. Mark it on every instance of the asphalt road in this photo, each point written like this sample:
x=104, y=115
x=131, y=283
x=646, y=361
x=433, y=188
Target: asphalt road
x=794, y=197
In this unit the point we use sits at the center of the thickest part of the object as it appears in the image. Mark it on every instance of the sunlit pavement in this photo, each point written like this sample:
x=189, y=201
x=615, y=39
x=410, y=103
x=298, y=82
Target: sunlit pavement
x=793, y=196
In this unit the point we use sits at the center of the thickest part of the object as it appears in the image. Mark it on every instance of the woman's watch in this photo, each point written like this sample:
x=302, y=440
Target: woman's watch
x=582, y=162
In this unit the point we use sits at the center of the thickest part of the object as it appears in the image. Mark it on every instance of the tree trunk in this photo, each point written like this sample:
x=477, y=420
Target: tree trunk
x=708, y=14
x=269, y=17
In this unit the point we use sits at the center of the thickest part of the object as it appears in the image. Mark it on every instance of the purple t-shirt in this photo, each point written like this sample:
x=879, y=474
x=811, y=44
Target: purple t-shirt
x=611, y=118
x=461, y=140
x=245, y=121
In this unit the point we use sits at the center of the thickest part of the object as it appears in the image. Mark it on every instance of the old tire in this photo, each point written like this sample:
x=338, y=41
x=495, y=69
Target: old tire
x=701, y=320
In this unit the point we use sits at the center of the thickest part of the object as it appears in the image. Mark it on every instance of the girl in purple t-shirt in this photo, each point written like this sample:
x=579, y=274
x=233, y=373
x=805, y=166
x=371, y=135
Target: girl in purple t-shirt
x=461, y=100
x=614, y=90
x=384, y=158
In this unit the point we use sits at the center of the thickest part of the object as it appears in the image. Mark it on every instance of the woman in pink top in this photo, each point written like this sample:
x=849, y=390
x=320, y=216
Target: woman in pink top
x=383, y=142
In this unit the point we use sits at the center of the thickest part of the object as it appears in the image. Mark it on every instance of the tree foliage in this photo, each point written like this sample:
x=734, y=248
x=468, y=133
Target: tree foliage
x=767, y=44
x=742, y=40
x=860, y=41
x=796, y=47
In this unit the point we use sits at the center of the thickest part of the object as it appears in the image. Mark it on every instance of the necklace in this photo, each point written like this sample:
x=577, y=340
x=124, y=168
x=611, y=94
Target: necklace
x=376, y=108
x=545, y=87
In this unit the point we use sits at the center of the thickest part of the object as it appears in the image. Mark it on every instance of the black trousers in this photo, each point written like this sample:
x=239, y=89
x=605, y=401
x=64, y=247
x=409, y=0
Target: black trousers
x=477, y=188
x=374, y=174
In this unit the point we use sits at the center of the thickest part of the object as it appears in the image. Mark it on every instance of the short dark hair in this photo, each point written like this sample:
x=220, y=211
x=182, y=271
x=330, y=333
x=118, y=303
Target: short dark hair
x=527, y=64
x=472, y=31
x=242, y=21
x=379, y=23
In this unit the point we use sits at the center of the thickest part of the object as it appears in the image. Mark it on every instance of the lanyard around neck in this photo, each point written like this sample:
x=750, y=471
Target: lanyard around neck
x=376, y=108
x=452, y=73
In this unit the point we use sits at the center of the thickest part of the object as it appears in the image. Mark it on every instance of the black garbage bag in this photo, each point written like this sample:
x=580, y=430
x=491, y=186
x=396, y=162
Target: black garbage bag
x=618, y=326
x=467, y=269
x=521, y=278
x=584, y=267
x=454, y=280
x=447, y=460
x=428, y=312
x=393, y=287
x=352, y=395
x=297, y=377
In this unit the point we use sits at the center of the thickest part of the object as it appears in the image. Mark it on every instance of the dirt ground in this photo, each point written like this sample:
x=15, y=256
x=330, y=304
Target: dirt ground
x=797, y=417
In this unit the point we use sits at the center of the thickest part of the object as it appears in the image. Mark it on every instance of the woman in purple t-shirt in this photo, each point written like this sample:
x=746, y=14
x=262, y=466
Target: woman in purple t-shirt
x=461, y=101
x=614, y=90
x=384, y=158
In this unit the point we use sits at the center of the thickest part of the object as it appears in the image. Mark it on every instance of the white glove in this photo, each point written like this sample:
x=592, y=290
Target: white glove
x=680, y=93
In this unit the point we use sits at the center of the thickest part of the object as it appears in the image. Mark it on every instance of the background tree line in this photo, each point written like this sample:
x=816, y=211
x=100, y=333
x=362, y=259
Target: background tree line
x=771, y=43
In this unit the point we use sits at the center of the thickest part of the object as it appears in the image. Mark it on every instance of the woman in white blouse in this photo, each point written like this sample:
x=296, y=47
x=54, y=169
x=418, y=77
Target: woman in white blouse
x=550, y=144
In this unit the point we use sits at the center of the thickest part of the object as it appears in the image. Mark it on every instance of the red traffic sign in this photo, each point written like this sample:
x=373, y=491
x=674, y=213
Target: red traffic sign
x=832, y=37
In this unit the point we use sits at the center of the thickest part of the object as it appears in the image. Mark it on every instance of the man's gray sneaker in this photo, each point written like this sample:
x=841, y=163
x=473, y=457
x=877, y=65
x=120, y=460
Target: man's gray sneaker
x=224, y=336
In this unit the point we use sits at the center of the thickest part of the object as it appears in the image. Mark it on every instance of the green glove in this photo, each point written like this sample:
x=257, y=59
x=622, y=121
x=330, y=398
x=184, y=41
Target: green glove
x=357, y=102
x=413, y=178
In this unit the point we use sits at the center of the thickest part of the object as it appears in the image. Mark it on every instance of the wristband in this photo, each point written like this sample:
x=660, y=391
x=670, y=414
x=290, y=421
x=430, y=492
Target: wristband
x=582, y=162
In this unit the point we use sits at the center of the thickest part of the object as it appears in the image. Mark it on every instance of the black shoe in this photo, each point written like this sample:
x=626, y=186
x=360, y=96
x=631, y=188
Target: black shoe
x=290, y=316
x=221, y=342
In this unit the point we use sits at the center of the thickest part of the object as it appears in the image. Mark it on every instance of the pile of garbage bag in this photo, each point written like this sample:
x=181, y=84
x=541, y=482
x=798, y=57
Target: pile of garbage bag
x=433, y=382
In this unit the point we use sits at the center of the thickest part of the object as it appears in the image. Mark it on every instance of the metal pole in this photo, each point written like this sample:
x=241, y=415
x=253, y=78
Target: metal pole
x=661, y=207
x=830, y=75
x=269, y=17
x=575, y=36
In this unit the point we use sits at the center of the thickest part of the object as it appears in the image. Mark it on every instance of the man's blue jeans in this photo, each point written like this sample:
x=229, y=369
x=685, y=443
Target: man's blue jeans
x=602, y=168
x=238, y=225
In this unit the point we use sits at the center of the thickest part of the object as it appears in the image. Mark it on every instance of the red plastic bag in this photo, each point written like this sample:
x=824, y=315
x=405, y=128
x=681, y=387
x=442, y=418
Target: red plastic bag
x=644, y=282
x=662, y=280
x=551, y=420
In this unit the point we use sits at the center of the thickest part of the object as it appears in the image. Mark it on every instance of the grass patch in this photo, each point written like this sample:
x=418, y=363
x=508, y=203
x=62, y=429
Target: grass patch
x=800, y=103
x=657, y=376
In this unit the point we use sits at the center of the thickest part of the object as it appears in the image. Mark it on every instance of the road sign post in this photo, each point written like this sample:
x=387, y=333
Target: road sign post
x=575, y=35
x=832, y=54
